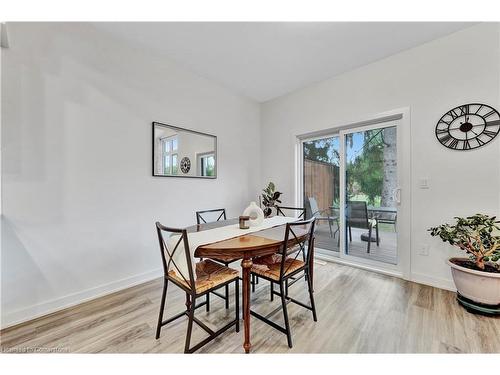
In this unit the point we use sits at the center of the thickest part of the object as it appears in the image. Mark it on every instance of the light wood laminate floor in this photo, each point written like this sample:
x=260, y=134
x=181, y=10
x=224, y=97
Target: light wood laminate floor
x=358, y=312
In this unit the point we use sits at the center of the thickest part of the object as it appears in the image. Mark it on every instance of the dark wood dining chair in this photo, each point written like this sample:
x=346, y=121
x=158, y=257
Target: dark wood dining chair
x=210, y=216
x=198, y=281
x=357, y=217
x=298, y=212
x=288, y=264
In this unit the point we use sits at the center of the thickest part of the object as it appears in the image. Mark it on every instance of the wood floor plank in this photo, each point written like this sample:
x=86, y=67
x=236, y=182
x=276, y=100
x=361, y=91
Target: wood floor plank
x=358, y=312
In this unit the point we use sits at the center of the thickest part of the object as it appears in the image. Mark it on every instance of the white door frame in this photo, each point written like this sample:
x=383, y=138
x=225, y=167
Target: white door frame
x=402, y=116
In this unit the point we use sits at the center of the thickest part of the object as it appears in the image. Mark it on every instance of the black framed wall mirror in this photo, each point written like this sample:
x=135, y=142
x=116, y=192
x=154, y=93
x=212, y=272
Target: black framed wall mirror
x=179, y=152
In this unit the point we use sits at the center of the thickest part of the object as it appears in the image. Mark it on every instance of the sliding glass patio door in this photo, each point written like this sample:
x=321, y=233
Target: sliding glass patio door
x=351, y=182
x=371, y=192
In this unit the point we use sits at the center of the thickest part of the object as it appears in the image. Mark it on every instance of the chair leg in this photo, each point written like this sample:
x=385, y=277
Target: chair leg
x=285, y=315
x=237, y=303
x=162, y=307
x=272, y=290
x=286, y=287
x=330, y=225
x=208, y=302
x=311, y=296
x=226, y=288
x=369, y=239
x=192, y=305
x=227, y=296
x=376, y=233
x=253, y=283
x=350, y=234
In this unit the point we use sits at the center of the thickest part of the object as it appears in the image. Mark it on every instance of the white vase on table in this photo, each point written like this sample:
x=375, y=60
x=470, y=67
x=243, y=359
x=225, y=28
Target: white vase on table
x=255, y=213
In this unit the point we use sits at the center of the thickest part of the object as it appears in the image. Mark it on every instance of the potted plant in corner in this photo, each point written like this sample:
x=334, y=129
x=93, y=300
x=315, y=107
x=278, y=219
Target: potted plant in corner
x=476, y=277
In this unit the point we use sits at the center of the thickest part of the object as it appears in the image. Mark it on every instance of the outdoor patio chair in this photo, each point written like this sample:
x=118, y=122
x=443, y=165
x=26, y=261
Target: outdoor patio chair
x=357, y=217
x=322, y=215
x=388, y=218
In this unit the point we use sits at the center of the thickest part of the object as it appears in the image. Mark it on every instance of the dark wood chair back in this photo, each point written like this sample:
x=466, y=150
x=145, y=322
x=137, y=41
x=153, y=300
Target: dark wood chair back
x=298, y=212
x=203, y=217
x=357, y=214
x=168, y=256
x=299, y=238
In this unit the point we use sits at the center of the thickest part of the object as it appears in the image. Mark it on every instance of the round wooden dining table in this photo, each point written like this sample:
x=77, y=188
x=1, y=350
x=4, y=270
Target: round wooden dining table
x=245, y=247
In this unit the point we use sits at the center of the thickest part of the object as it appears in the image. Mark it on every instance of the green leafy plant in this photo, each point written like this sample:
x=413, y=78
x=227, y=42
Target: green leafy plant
x=269, y=198
x=477, y=235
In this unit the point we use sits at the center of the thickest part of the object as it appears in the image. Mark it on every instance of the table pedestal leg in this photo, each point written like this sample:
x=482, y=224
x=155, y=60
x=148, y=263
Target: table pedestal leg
x=246, y=264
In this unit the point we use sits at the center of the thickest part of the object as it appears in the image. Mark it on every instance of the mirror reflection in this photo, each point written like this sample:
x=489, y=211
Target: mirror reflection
x=181, y=152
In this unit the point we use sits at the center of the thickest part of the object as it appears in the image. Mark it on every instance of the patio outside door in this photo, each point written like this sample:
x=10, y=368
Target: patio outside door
x=352, y=182
x=371, y=192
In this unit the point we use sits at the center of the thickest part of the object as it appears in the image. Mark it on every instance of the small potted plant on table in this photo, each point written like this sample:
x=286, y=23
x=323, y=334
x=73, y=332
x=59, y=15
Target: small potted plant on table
x=477, y=277
x=269, y=198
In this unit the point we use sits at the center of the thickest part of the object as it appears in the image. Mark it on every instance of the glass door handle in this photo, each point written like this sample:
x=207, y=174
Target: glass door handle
x=396, y=195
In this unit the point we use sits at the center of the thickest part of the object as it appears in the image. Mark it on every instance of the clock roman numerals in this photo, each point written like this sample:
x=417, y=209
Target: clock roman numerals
x=490, y=113
x=492, y=123
x=489, y=133
x=464, y=110
x=453, y=143
x=445, y=138
x=453, y=115
x=468, y=126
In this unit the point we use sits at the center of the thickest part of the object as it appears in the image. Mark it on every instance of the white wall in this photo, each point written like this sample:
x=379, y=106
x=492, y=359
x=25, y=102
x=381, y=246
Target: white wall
x=430, y=79
x=79, y=199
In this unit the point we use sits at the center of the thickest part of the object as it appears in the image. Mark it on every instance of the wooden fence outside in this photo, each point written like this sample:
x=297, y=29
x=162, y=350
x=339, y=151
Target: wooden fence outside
x=321, y=181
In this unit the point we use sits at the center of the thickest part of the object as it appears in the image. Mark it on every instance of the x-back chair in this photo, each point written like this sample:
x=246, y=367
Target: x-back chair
x=288, y=264
x=208, y=216
x=198, y=281
x=202, y=216
x=298, y=212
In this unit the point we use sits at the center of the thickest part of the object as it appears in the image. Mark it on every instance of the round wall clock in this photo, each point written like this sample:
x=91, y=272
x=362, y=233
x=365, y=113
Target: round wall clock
x=185, y=165
x=468, y=126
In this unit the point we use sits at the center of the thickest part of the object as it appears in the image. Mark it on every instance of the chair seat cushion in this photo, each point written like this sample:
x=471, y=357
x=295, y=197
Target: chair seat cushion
x=208, y=275
x=270, y=266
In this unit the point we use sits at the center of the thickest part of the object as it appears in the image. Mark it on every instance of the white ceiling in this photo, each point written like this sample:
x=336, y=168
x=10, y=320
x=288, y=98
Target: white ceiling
x=267, y=60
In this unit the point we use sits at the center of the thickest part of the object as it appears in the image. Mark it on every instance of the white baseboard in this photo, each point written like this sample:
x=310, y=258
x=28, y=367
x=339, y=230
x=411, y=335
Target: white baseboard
x=414, y=277
x=433, y=281
x=40, y=309
x=327, y=258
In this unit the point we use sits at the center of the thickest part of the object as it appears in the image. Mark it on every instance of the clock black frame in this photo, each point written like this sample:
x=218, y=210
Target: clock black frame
x=185, y=165
x=485, y=136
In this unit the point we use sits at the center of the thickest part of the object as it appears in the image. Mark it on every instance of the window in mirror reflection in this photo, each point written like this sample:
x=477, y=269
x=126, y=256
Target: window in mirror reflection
x=207, y=164
x=169, y=147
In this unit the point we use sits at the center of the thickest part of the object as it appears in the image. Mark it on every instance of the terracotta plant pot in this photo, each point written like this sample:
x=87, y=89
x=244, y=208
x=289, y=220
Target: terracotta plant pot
x=478, y=286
